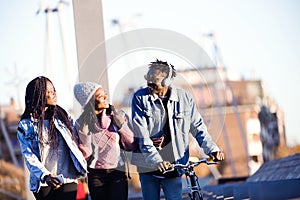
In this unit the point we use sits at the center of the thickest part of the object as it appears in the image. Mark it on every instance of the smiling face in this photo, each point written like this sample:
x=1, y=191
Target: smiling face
x=51, y=98
x=101, y=100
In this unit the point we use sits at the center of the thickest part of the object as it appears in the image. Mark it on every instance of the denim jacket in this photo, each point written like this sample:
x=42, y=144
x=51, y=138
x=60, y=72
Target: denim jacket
x=148, y=115
x=28, y=138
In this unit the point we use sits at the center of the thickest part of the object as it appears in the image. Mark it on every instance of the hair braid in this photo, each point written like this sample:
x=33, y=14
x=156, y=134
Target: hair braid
x=35, y=104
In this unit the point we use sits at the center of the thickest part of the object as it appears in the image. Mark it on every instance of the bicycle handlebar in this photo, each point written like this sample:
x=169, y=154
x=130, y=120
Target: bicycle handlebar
x=207, y=161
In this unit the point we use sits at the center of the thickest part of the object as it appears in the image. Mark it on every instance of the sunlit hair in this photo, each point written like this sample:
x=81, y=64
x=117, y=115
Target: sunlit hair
x=35, y=104
x=161, y=66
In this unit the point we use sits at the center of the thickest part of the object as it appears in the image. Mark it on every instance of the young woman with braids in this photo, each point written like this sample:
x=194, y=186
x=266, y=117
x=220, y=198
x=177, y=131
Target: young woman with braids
x=48, y=142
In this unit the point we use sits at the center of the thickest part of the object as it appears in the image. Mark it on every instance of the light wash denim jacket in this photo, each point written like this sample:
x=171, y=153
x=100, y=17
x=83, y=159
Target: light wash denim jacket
x=28, y=138
x=148, y=114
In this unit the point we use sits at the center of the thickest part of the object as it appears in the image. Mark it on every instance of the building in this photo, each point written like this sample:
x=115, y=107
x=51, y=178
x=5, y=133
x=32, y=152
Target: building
x=241, y=117
x=9, y=145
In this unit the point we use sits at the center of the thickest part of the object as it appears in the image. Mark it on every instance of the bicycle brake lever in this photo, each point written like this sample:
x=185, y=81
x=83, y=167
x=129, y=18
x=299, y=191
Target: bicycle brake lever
x=211, y=162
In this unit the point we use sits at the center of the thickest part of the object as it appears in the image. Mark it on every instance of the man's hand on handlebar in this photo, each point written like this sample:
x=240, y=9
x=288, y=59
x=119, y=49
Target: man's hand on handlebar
x=217, y=155
x=163, y=166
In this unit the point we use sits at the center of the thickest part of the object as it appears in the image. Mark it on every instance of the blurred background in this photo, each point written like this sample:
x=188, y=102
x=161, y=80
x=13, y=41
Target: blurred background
x=253, y=47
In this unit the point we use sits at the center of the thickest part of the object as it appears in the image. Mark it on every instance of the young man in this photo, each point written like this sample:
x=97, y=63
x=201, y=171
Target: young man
x=162, y=117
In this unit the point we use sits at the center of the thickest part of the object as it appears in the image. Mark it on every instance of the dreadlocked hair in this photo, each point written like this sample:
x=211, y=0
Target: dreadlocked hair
x=163, y=67
x=35, y=104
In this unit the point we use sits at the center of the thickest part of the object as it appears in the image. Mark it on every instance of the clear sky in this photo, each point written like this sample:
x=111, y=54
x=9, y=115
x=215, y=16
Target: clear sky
x=256, y=38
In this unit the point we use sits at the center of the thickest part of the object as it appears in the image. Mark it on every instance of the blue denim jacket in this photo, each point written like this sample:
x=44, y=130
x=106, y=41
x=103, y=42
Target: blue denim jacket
x=28, y=138
x=148, y=115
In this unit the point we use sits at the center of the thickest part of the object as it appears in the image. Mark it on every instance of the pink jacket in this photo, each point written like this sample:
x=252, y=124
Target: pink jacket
x=102, y=149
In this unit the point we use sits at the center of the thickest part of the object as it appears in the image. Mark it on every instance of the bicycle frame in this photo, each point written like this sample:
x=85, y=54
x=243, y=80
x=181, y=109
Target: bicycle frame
x=191, y=177
x=192, y=183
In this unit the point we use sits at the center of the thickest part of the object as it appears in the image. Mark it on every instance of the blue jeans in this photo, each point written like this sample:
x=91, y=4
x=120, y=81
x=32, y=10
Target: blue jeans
x=172, y=187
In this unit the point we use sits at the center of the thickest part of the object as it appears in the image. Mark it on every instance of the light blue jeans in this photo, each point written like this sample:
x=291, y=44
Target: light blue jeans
x=172, y=187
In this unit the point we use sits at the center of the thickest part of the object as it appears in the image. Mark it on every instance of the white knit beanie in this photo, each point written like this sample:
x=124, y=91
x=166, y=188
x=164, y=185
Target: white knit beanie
x=84, y=91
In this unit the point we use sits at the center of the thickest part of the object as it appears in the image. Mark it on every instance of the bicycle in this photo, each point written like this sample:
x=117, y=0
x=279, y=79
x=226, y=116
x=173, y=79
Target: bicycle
x=191, y=177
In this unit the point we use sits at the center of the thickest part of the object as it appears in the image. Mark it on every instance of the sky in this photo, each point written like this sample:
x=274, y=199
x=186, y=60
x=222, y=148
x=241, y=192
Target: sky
x=256, y=39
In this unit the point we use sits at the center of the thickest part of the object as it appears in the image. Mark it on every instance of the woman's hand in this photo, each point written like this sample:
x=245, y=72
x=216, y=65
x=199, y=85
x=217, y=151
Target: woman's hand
x=118, y=119
x=52, y=181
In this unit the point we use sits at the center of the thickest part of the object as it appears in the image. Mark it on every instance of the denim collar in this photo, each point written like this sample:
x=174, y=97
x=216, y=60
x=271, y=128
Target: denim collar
x=173, y=96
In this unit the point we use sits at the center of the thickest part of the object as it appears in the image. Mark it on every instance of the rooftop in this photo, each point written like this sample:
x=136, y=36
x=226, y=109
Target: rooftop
x=280, y=169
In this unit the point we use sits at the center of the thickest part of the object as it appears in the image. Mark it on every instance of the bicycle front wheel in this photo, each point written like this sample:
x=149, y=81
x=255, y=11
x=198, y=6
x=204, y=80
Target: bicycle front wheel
x=196, y=196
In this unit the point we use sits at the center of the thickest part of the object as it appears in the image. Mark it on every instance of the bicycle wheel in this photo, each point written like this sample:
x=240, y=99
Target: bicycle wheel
x=196, y=196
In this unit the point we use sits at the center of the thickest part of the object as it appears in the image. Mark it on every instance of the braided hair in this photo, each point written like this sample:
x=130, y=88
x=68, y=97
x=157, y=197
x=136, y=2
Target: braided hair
x=35, y=104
